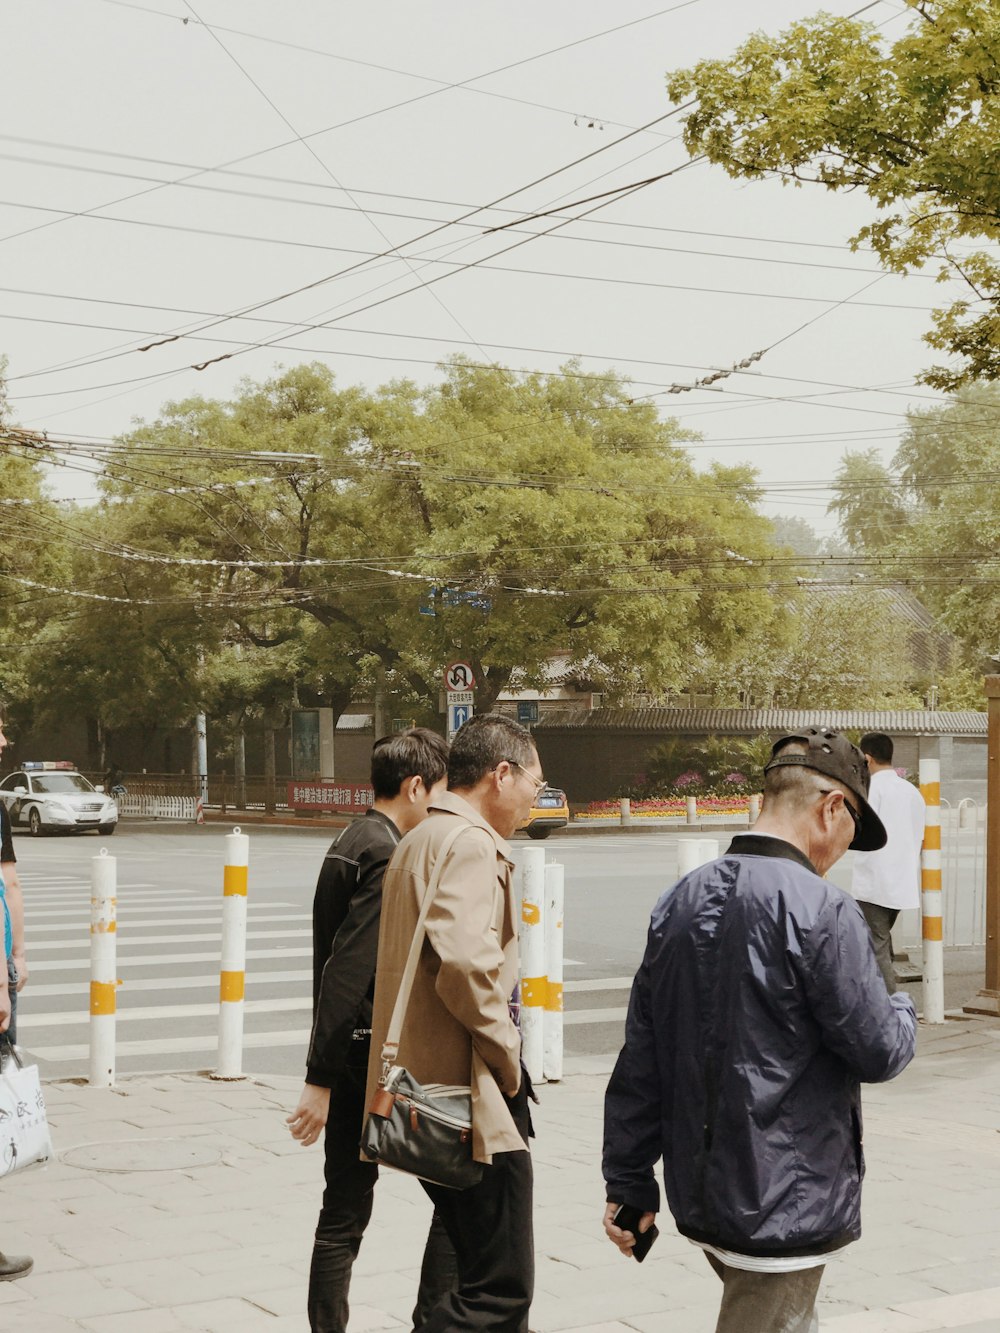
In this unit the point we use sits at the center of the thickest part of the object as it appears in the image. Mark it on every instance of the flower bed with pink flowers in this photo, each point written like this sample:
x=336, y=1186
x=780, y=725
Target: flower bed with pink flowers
x=667, y=807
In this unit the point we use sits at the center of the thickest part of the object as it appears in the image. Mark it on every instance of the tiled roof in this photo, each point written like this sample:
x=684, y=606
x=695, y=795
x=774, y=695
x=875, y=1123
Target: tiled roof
x=753, y=721
x=354, y=721
x=931, y=648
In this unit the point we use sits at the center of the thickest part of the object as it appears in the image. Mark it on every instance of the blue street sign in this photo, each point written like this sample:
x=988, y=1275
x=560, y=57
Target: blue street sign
x=458, y=715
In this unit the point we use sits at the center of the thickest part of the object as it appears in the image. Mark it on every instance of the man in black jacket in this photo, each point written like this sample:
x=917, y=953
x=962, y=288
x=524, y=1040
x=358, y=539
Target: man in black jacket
x=408, y=771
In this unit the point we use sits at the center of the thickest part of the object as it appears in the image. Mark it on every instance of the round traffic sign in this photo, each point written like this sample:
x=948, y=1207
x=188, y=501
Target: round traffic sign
x=458, y=676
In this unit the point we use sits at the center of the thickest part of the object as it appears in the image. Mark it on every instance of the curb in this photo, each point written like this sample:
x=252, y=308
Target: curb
x=588, y=828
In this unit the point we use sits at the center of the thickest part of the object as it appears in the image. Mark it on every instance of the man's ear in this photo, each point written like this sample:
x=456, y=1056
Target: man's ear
x=413, y=787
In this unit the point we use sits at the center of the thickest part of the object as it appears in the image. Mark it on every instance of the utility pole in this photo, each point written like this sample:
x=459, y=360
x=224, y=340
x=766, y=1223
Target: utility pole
x=987, y=1001
x=201, y=753
x=240, y=768
x=269, y=768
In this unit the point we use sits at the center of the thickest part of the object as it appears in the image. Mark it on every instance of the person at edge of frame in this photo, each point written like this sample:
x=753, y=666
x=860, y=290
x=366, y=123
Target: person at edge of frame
x=758, y=1011
x=408, y=770
x=12, y=976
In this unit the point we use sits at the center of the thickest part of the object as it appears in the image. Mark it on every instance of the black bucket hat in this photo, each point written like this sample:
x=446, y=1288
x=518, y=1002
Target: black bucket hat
x=830, y=753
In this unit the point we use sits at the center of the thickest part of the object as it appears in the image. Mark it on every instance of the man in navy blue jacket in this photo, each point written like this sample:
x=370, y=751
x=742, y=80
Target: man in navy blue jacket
x=758, y=1010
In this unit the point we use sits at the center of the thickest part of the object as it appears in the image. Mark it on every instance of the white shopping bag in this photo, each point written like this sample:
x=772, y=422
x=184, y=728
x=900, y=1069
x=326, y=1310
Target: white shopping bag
x=24, y=1126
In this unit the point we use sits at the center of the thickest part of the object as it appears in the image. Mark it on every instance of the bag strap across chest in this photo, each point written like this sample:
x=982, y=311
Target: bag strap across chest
x=390, y=1046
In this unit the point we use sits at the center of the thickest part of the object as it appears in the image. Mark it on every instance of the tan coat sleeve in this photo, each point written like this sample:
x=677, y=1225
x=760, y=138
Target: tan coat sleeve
x=463, y=926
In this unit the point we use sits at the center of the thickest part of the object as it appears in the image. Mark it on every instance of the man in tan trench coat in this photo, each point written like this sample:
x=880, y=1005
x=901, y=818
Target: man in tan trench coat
x=459, y=1026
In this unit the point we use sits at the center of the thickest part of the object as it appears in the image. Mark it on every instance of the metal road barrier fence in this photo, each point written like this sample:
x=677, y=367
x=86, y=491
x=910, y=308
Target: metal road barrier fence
x=158, y=807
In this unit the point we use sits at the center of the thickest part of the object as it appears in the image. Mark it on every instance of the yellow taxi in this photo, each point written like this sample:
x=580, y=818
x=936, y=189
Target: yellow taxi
x=550, y=811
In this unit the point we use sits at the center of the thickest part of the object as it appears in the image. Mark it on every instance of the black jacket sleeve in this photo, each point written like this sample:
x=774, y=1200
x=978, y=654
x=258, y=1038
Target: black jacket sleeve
x=343, y=1000
x=632, y=1109
x=7, y=856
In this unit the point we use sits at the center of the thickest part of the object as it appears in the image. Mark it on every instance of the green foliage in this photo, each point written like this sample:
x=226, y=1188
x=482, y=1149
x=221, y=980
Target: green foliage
x=871, y=512
x=684, y=766
x=914, y=123
x=851, y=651
x=943, y=478
x=33, y=560
x=961, y=690
x=796, y=535
x=495, y=517
x=303, y=543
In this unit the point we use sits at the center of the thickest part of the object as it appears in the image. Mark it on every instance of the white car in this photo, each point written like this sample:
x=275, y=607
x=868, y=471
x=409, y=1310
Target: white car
x=50, y=796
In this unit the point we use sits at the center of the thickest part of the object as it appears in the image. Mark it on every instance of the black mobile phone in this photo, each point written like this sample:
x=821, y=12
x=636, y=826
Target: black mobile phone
x=628, y=1219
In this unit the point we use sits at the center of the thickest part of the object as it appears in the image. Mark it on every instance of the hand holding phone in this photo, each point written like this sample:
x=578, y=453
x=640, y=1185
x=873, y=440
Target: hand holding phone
x=628, y=1219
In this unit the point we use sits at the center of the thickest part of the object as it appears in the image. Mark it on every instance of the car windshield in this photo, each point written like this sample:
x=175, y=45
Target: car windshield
x=55, y=783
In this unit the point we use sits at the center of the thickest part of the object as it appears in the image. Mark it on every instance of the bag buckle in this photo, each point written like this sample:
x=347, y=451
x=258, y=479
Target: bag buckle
x=389, y=1051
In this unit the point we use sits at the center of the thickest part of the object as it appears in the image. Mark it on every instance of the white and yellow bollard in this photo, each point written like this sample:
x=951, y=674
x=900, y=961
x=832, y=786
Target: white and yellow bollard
x=552, y=1026
x=103, y=968
x=531, y=940
x=232, y=976
x=930, y=884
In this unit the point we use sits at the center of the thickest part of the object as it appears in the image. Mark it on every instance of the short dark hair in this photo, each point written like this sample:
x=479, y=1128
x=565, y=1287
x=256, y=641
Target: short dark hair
x=414, y=753
x=795, y=786
x=483, y=742
x=878, y=745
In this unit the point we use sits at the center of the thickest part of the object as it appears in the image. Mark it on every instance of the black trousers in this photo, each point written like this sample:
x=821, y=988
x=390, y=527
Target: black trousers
x=880, y=922
x=490, y=1227
x=346, y=1211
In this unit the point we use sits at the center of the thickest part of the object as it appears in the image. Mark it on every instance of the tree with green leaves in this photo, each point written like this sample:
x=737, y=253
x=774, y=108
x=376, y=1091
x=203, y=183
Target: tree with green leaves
x=493, y=517
x=914, y=123
x=849, y=651
x=868, y=501
x=947, y=464
x=35, y=558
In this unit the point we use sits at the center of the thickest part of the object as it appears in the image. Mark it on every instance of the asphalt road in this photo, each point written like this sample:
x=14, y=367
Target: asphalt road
x=169, y=915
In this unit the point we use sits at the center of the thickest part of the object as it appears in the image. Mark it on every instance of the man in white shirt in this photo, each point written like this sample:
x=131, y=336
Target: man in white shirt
x=888, y=882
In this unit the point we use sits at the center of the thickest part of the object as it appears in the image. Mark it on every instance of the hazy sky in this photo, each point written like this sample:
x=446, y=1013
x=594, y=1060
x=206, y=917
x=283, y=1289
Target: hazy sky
x=166, y=163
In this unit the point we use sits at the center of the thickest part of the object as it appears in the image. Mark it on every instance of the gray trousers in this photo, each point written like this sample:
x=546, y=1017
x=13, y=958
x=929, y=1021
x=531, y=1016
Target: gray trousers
x=880, y=922
x=767, y=1302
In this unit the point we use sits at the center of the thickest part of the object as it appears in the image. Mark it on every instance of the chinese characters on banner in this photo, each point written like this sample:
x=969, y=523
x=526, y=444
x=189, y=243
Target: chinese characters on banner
x=343, y=797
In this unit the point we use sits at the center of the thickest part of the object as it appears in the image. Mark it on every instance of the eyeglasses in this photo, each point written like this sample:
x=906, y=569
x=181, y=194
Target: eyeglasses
x=540, y=783
x=830, y=791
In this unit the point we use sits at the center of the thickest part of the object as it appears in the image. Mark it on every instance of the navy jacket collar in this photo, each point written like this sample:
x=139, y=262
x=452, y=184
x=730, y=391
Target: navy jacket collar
x=762, y=844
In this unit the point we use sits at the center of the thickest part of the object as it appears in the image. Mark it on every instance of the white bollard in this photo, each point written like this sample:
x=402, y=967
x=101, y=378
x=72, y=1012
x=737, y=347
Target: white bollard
x=930, y=879
x=694, y=852
x=687, y=856
x=232, y=976
x=103, y=968
x=754, y=809
x=691, y=803
x=626, y=811
x=552, y=1027
x=532, y=949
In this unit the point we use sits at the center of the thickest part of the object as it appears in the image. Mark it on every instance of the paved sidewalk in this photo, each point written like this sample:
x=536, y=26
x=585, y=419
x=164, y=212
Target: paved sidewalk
x=178, y=1203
